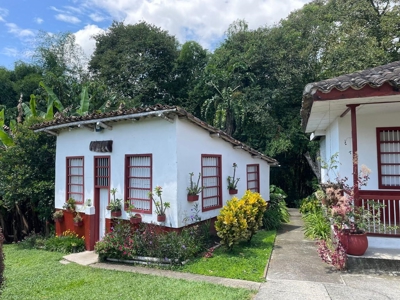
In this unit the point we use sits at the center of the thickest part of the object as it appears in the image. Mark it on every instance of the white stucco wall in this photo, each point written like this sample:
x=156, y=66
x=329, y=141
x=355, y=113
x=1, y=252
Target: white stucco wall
x=339, y=139
x=194, y=141
x=155, y=136
x=176, y=150
x=329, y=146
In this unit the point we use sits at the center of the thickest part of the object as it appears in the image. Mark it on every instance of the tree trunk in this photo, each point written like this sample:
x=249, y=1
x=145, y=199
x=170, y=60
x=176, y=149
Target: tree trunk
x=315, y=166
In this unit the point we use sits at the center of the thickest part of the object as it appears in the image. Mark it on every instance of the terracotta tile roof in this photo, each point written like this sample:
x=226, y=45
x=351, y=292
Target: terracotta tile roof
x=374, y=77
x=154, y=111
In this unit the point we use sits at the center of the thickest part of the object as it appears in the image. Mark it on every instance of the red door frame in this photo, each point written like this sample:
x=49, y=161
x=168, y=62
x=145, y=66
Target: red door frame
x=97, y=195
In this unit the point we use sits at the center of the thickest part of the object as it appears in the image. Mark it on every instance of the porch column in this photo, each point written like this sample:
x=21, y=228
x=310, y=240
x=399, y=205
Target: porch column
x=353, y=115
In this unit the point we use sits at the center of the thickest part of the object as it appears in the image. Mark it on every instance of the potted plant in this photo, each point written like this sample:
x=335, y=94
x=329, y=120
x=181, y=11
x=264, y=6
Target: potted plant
x=58, y=216
x=134, y=218
x=194, y=189
x=115, y=205
x=70, y=205
x=78, y=221
x=232, y=181
x=159, y=205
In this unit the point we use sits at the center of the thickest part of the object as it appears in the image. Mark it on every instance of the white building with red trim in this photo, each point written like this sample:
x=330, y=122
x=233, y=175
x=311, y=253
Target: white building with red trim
x=357, y=117
x=138, y=149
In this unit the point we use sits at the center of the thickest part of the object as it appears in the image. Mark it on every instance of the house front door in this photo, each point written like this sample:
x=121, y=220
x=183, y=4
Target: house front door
x=101, y=193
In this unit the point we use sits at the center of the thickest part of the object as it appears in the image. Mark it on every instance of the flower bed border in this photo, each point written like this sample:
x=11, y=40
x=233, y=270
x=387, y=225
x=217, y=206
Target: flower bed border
x=145, y=260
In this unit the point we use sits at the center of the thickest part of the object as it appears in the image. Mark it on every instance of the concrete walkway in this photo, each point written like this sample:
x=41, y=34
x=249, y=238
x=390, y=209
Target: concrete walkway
x=295, y=272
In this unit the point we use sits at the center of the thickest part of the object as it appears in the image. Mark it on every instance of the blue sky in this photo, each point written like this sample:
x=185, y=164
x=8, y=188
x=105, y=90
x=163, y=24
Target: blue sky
x=202, y=20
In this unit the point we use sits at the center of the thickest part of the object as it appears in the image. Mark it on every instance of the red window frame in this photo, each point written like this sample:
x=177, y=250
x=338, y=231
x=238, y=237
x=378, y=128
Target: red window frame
x=102, y=175
x=256, y=180
x=69, y=193
x=128, y=188
x=205, y=177
x=381, y=153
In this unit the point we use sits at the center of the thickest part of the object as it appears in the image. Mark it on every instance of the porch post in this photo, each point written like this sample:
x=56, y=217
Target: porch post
x=353, y=108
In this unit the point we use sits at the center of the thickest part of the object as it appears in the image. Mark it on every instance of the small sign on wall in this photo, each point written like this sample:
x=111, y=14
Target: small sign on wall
x=101, y=146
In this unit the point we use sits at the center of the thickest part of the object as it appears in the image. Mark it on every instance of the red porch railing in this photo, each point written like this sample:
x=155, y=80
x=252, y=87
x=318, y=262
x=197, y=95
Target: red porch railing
x=390, y=214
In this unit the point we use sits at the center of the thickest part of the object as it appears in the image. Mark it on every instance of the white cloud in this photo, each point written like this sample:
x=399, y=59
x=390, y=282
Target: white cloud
x=96, y=17
x=67, y=18
x=3, y=13
x=13, y=52
x=57, y=10
x=205, y=20
x=19, y=32
x=84, y=38
x=38, y=20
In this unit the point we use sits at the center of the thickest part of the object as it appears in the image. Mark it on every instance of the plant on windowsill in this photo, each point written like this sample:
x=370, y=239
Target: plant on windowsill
x=78, y=221
x=115, y=205
x=159, y=205
x=232, y=182
x=194, y=189
x=134, y=218
x=70, y=205
x=58, y=216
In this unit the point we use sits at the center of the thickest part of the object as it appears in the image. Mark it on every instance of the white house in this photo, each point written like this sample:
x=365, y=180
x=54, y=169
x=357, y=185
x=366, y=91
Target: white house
x=357, y=116
x=138, y=149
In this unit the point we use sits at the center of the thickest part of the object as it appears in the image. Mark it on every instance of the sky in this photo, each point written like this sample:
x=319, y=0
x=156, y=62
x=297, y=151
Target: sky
x=204, y=21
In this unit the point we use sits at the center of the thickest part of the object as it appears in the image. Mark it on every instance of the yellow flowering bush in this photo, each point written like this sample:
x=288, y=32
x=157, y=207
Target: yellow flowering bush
x=240, y=219
x=253, y=206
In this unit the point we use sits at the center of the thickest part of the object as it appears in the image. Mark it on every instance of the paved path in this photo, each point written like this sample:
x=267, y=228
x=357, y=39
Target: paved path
x=295, y=272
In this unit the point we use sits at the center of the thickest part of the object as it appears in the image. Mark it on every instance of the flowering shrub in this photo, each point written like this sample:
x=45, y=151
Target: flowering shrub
x=334, y=254
x=65, y=243
x=240, y=219
x=122, y=243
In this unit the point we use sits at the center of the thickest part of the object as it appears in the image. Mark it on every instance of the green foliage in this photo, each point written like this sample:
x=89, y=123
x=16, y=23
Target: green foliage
x=34, y=274
x=31, y=241
x=137, y=61
x=122, y=243
x=310, y=204
x=240, y=219
x=277, y=211
x=316, y=226
x=2, y=258
x=246, y=261
x=68, y=242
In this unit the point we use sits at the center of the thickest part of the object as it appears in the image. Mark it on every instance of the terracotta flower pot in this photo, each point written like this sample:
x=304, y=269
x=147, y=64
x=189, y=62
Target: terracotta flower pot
x=59, y=220
x=161, y=218
x=354, y=243
x=116, y=214
x=233, y=191
x=78, y=224
x=136, y=219
x=192, y=198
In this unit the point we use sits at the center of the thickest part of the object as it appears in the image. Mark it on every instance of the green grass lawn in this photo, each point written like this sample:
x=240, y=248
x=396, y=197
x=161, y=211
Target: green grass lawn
x=35, y=274
x=245, y=261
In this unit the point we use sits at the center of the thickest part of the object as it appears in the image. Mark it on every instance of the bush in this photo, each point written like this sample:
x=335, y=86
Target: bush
x=316, y=226
x=310, y=205
x=272, y=219
x=240, y=219
x=277, y=211
x=29, y=241
x=2, y=257
x=254, y=207
x=68, y=242
x=122, y=243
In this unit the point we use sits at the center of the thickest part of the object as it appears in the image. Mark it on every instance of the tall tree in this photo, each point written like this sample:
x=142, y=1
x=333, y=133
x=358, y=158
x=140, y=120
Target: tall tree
x=136, y=61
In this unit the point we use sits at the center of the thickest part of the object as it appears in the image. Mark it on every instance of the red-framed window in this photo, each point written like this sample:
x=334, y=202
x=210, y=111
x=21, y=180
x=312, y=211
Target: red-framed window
x=75, y=178
x=388, y=142
x=102, y=172
x=138, y=181
x=211, y=182
x=253, y=177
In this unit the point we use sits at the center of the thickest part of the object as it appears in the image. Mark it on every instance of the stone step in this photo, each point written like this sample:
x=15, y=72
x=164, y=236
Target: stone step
x=376, y=260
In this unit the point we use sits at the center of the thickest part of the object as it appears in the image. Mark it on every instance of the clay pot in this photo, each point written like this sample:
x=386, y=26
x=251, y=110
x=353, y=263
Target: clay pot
x=161, y=218
x=233, y=192
x=354, y=243
x=116, y=214
x=192, y=198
